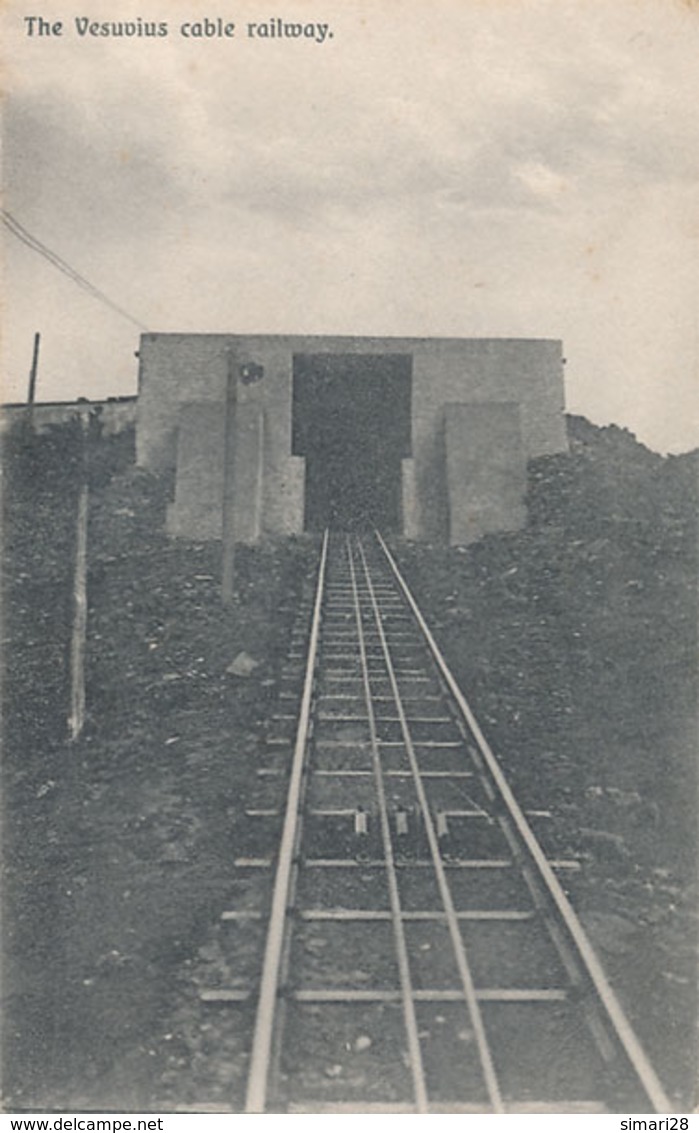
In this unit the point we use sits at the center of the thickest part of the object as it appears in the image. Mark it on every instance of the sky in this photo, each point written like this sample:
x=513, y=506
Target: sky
x=469, y=168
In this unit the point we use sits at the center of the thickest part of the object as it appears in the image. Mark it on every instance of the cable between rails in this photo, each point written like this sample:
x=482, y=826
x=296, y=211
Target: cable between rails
x=406, y=987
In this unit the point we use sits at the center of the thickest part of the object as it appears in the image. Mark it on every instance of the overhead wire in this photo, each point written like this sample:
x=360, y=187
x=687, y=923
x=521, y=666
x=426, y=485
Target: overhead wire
x=21, y=233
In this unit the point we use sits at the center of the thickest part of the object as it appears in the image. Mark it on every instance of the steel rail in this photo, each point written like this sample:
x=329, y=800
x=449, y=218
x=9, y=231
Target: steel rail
x=406, y=986
x=584, y=951
x=260, y=1058
x=457, y=941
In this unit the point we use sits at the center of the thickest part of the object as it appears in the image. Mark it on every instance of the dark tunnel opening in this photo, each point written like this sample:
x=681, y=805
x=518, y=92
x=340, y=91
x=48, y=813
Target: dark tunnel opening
x=351, y=421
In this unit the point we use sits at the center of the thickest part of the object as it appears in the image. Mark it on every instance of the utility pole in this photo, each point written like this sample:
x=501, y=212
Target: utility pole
x=32, y=380
x=78, y=641
x=228, y=529
x=250, y=373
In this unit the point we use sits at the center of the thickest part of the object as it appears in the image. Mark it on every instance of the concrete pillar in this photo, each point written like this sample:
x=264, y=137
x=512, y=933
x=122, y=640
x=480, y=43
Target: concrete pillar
x=411, y=521
x=486, y=469
x=197, y=511
x=284, y=495
x=197, y=508
x=248, y=472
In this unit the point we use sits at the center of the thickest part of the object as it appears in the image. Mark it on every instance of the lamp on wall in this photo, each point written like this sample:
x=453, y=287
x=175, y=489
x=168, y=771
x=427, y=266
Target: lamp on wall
x=251, y=372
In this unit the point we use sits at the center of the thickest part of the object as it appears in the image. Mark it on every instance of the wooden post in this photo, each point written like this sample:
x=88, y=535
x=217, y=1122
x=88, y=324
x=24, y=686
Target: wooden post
x=76, y=718
x=228, y=526
x=31, y=394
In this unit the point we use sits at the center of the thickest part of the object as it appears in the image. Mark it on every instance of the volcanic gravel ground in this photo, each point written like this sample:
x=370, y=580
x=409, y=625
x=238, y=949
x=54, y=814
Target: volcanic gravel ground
x=118, y=849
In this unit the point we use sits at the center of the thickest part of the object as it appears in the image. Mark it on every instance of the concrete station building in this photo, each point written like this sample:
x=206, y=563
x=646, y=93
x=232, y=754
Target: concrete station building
x=426, y=437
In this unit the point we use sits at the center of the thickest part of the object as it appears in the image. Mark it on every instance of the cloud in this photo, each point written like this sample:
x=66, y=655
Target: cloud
x=438, y=168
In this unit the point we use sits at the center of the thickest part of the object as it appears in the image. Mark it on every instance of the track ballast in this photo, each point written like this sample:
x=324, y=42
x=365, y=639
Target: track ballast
x=419, y=953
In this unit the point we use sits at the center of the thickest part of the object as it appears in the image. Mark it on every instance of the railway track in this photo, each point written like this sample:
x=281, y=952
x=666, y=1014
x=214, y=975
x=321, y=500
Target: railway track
x=419, y=953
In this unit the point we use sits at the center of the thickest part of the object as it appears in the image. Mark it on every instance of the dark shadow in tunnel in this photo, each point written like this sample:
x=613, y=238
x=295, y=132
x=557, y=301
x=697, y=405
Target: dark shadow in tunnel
x=351, y=421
